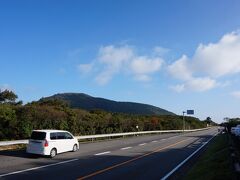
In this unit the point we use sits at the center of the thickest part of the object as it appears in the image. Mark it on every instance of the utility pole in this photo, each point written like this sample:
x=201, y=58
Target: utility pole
x=183, y=121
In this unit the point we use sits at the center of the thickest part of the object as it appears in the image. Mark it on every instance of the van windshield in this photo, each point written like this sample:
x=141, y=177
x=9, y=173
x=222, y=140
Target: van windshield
x=38, y=135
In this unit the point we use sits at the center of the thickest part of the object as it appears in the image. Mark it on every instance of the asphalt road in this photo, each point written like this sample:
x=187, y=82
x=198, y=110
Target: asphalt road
x=141, y=157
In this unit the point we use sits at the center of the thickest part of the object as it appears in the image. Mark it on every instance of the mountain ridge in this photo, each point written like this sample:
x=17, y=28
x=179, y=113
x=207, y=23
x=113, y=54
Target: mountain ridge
x=87, y=102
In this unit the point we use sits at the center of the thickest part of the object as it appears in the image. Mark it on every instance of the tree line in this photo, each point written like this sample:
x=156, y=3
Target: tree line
x=18, y=120
x=230, y=122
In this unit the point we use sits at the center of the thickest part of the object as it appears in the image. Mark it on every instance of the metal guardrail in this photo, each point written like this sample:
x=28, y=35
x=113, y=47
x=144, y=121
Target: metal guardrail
x=25, y=141
x=7, y=143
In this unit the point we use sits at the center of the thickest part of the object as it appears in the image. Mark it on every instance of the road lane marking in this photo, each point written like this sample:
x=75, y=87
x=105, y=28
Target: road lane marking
x=131, y=160
x=142, y=144
x=179, y=165
x=163, y=139
x=35, y=168
x=154, y=141
x=102, y=153
x=172, y=137
x=126, y=148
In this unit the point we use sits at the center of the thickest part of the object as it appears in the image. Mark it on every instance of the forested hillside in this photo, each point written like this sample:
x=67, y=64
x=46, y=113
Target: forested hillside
x=84, y=101
x=17, y=120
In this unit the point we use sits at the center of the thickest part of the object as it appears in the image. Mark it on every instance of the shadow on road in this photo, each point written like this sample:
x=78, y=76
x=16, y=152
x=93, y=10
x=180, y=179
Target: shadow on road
x=19, y=153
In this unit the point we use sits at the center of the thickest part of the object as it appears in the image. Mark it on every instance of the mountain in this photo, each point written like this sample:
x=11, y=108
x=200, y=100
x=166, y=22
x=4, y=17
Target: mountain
x=84, y=101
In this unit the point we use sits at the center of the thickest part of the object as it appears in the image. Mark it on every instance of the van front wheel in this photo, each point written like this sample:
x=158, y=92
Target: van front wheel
x=53, y=153
x=75, y=148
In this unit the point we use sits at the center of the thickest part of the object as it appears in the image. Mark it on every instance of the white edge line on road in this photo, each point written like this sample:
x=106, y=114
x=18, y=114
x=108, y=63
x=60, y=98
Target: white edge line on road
x=35, y=168
x=154, y=141
x=126, y=148
x=163, y=139
x=179, y=165
x=142, y=144
x=102, y=153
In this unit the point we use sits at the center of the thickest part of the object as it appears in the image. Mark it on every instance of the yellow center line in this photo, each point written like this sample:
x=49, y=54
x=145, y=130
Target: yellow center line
x=131, y=160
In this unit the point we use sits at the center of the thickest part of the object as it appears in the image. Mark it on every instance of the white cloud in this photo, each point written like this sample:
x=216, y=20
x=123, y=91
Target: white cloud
x=224, y=84
x=236, y=94
x=145, y=65
x=160, y=51
x=212, y=61
x=178, y=88
x=219, y=59
x=195, y=84
x=201, y=84
x=180, y=70
x=113, y=60
x=85, y=68
x=115, y=56
x=104, y=77
x=142, y=77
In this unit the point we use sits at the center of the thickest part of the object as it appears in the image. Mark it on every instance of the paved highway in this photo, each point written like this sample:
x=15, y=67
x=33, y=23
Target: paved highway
x=141, y=157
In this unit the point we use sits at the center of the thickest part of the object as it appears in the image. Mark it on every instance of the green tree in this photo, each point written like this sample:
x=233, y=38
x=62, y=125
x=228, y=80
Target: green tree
x=8, y=126
x=7, y=96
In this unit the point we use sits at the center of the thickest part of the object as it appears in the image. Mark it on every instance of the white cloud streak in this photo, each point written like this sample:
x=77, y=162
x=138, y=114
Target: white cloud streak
x=160, y=51
x=236, y=94
x=85, y=68
x=201, y=84
x=196, y=84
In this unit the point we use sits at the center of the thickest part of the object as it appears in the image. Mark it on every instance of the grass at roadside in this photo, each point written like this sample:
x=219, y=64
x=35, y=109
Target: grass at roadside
x=13, y=147
x=215, y=163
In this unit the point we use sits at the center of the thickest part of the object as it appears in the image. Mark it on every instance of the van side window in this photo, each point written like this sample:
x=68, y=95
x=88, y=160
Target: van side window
x=53, y=136
x=61, y=135
x=68, y=136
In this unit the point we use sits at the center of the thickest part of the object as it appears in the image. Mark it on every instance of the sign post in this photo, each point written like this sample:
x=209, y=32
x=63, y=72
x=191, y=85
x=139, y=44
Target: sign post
x=183, y=120
x=190, y=112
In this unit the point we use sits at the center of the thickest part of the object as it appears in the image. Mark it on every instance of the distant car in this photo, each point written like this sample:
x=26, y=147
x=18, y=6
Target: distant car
x=51, y=142
x=237, y=130
x=233, y=130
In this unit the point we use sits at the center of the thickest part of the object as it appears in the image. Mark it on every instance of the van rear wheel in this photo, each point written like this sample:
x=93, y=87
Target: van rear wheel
x=53, y=153
x=75, y=148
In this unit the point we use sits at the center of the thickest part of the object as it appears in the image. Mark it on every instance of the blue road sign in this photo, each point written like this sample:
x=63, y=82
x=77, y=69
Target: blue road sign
x=190, y=111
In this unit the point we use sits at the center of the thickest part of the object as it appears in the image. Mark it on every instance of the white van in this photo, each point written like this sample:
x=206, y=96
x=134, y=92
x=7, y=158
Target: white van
x=51, y=142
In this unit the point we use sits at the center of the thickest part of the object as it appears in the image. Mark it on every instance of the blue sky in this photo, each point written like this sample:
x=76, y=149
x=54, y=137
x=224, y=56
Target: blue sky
x=176, y=55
